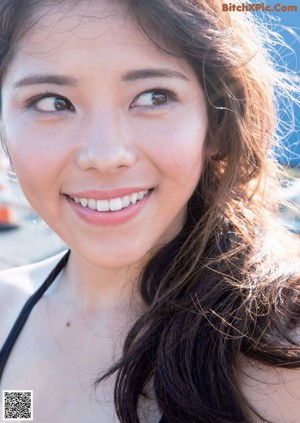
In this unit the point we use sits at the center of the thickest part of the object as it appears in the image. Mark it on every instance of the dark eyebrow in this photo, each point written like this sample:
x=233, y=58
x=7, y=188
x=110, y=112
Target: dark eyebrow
x=46, y=79
x=70, y=81
x=152, y=73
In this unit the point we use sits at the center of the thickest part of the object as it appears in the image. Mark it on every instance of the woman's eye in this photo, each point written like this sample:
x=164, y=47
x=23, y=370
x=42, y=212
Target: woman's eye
x=153, y=98
x=51, y=104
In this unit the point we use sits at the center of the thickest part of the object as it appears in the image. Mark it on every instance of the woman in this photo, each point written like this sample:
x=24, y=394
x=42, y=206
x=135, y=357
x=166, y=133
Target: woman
x=141, y=132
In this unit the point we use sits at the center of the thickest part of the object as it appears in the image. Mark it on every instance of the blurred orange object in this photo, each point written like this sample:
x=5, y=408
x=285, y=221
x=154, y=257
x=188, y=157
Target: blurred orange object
x=6, y=214
x=7, y=219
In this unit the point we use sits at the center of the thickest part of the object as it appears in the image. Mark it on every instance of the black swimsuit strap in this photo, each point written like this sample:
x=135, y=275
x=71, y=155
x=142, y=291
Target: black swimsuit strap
x=24, y=313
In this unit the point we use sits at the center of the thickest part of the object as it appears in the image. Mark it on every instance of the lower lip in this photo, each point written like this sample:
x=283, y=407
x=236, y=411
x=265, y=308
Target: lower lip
x=110, y=218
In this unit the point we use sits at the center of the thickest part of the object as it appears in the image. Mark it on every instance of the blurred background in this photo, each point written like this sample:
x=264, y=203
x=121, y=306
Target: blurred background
x=25, y=238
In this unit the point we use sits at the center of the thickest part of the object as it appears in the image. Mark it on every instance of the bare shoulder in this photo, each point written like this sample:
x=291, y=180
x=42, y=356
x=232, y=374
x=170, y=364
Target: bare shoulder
x=273, y=392
x=25, y=279
x=16, y=286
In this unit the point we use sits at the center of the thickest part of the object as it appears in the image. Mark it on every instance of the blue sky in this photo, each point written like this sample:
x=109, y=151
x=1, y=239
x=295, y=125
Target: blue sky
x=288, y=25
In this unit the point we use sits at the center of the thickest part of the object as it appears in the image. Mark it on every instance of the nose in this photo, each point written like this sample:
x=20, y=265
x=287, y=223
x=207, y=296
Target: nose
x=106, y=146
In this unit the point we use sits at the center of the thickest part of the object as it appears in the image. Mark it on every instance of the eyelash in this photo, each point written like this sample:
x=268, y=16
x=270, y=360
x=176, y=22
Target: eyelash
x=171, y=96
x=32, y=101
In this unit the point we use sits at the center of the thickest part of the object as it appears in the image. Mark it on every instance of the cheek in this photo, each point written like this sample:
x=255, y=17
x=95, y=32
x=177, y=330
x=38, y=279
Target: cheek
x=34, y=145
x=179, y=153
x=25, y=140
x=34, y=159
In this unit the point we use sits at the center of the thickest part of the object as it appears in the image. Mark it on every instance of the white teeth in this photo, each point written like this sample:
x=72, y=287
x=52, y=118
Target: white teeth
x=114, y=204
x=140, y=195
x=92, y=204
x=126, y=201
x=83, y=202
x=133, y=198
x=103, y=205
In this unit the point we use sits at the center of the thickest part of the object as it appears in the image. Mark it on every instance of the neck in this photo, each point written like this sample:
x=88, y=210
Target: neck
x=97, y=289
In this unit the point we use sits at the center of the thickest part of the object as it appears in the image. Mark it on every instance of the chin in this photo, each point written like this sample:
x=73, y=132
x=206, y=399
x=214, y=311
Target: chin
x=113, y=260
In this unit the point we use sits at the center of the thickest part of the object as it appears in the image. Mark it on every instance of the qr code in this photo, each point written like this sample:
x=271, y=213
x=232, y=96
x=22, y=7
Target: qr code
x=17, y=405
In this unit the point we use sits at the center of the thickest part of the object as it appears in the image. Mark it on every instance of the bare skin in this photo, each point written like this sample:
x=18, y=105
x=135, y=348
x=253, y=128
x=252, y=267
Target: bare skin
x=273, y=393
x=110, y=134
x=107, y=133
x=65, y=345
x=62, y=349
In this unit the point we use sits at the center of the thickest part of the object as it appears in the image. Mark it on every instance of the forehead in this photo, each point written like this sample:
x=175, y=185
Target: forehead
x=84, y=20
x=96, y=34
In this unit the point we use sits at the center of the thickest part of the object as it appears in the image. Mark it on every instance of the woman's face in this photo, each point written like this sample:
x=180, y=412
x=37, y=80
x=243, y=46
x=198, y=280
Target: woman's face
x=105, y=132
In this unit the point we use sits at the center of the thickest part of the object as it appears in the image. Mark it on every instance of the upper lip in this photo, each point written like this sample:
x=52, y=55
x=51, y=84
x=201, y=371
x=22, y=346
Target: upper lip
x=107, y=194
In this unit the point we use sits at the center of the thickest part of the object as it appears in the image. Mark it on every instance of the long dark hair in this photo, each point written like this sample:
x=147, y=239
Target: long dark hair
x=219, y=290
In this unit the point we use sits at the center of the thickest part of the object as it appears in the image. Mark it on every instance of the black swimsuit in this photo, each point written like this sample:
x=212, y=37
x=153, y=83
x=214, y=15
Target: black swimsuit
x=24, y=313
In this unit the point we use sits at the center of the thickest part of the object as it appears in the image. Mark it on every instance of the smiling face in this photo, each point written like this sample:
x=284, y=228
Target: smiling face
x=105, y=132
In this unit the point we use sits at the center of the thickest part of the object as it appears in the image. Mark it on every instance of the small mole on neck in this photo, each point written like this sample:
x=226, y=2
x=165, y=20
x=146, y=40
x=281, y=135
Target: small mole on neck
x=68, y=324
